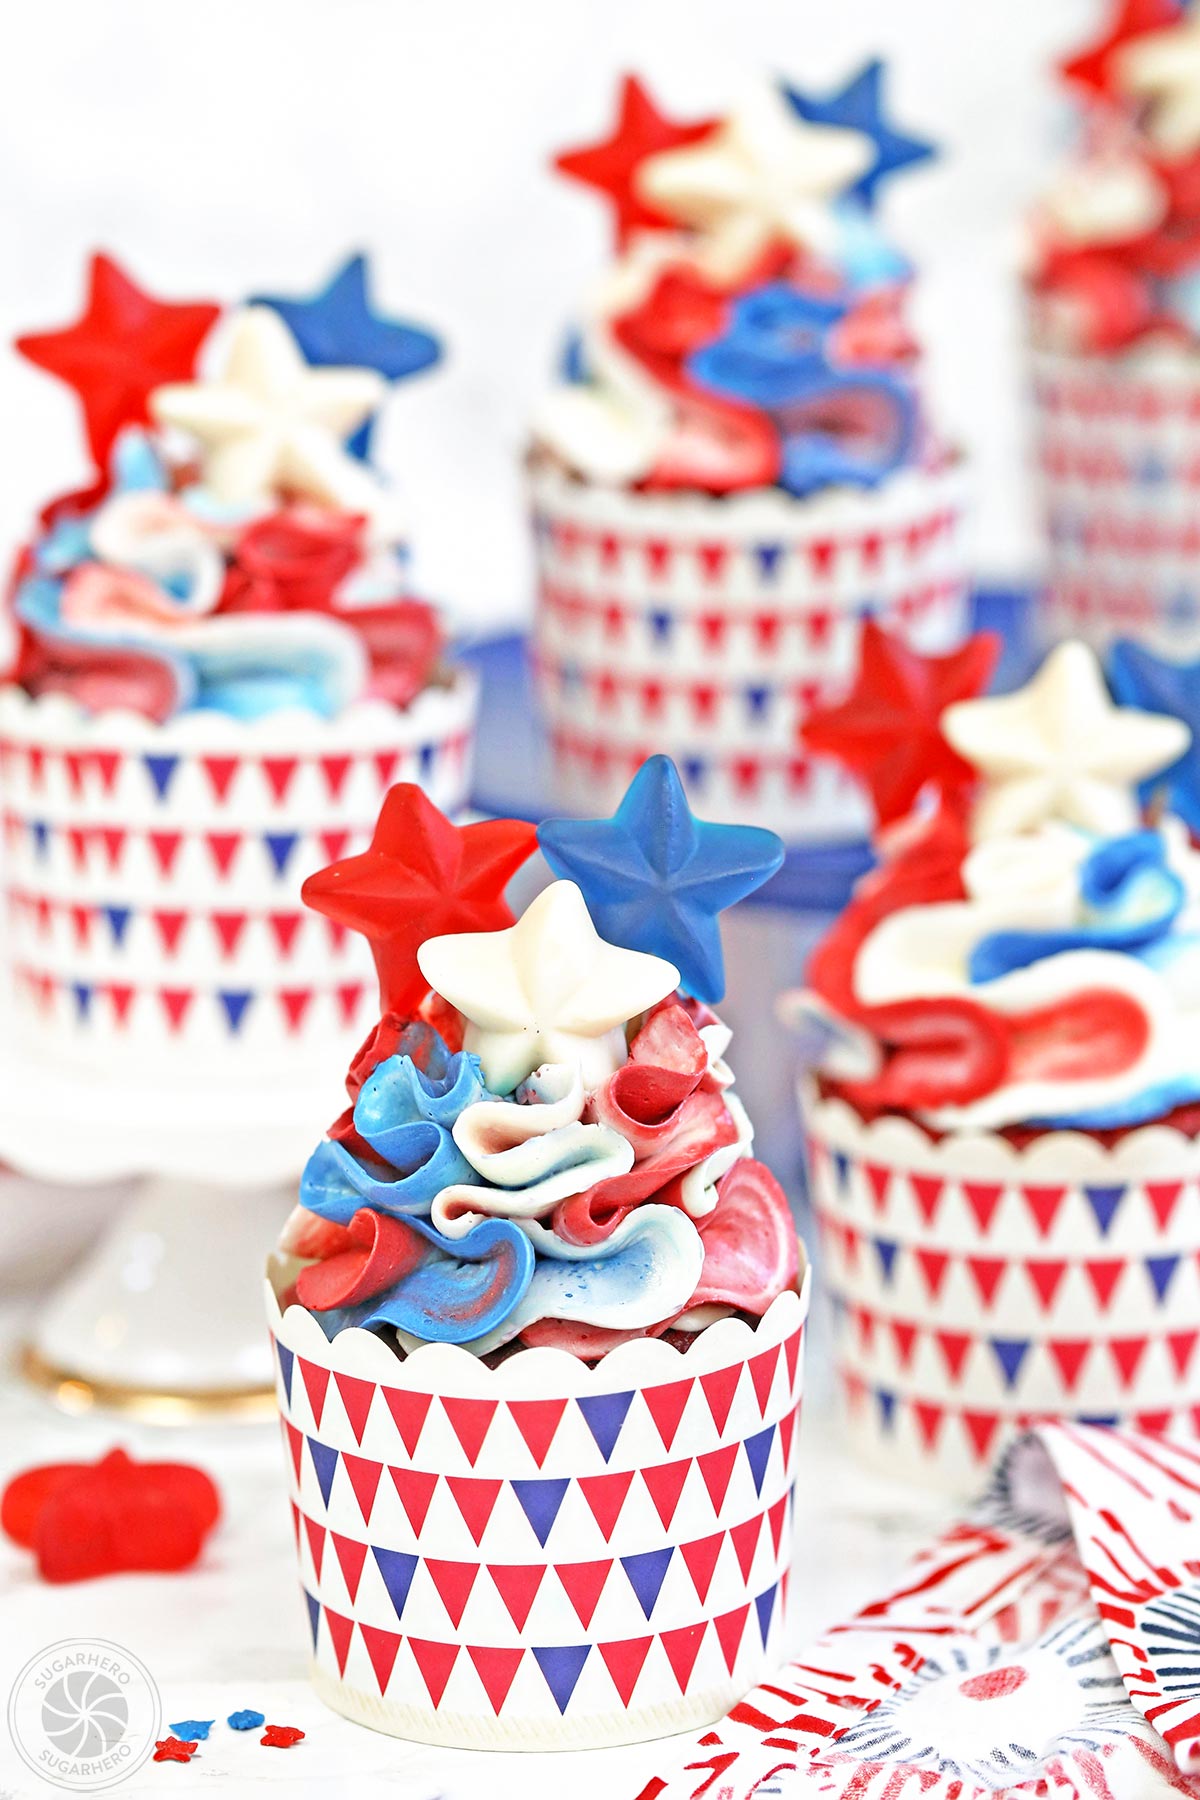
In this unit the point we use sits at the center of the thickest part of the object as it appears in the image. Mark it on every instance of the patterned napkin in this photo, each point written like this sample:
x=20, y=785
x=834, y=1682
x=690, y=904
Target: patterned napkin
x=1047, y=1645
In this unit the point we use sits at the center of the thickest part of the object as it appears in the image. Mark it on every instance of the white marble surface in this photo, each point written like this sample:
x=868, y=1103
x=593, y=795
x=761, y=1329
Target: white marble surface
x=232, y=1633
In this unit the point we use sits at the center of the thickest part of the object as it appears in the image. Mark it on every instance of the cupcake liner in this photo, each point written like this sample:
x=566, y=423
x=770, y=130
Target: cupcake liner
x=708, y=628
x=541, y=1555
x=151, y=873
x=977, y=1286
x=1117, y=460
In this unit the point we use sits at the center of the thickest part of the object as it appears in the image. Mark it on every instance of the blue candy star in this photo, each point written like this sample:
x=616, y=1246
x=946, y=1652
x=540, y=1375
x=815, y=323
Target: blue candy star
x=193, y=1731
x=1150, y=682
x=338, y=328
x=859, y=107
x=655, y=877
x=246, y=1720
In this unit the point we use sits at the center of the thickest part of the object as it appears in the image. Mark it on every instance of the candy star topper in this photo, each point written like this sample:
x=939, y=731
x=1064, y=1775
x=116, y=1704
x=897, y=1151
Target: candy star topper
x=655, y=877
x=887, y=730
x=550, y=989
x=270, y=424
x=1060, y=749
x=1139, y=678
x=1096, y=67
x=1163, y=68
x=611, y=167
x=420, y=877
x=123, y=346
x=859, y=107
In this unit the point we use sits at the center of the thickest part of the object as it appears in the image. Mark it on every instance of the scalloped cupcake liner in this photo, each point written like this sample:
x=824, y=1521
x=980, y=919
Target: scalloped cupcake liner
x=151, y=874
x=977, y=1286
x=542, y=1555
x=1117, y=465
x=708, y=627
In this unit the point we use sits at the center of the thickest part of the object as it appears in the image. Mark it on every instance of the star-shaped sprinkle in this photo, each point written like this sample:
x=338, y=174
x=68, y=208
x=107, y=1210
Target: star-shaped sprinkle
x=1139, y=678
x=246, y=1720
x=655, y=877
x=173, y=1749
x=338, y=327
x=271, y=426
x=611, y=167
x=281, y=1737
x=549, y=990
x=859, y=107
x=124, y=345
x=1163, y=69
x=421, y=877
x=887, y=730
x=197, y=1729
x=1096, y=67
x=763, y=176
x=1060, y=749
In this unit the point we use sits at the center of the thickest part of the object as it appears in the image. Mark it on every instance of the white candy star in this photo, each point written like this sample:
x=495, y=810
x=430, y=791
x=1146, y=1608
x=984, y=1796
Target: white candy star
x=765, y=174
x=548, y=990
x=1060, y=749
x=270, y=424
x=1163, y=67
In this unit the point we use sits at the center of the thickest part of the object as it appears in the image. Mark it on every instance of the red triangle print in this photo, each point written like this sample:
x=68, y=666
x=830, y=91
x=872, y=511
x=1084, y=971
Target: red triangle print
x=791, y=1354
x=349, y=998
x=74, y=761
x=81, y=921
x=665, y=1406
x=165, y=845
x=229, y=928
x=927, y=1191
x=665, y=1484
x=1153, y=1421
x=762, y=1374
x=364, y=1479
x=220, y=771
x=953, y=1346
x=175, y=1003
x=77, y=838
x=1163, y=1197
x=295, y=1003
x=986, y=1271
x=700, y=1559
x=107, y=763
x=1182, y=1346
x=223, y=846
x=719, y=1387
x=775, y=1518
x=905, y=1336
x=496, y=1668
x=537, y=1421
x=169, y=926
x=864, y=1325
x=338, y=933
x=284, y=927
x=1069, y=1355
x=625, y=1661
x=381, y=1648
x=333, y=844
x=716, y=1467
x=113, y=839
x=744, y=1538
x=279, y=771
x=335, y=770
x=453, y=1581
x=295, y=1443
x=385, y=766
x=983, y=1197
x=933, y=1265
x=470, y=1420
x=583, y=1584
x=415, y=1488
x=605, y=1495
x=1043, y=1204
x=729, y=1628
x=713, y=558
x=879, y=1179
x=435, y=1662
x=1127, y=1354
x=929, y=1421
x=316, y=1384
x=1104, y=1273
x=316, y=1543
x=351, y=1556
x=341, y=1630
x=475, y=1498
x=1046, y=1276
x=409, y=1410
x=295, y=1524
x=786, y=1427
x=981, y=1428
x=517, y=1585
x=683, y=1647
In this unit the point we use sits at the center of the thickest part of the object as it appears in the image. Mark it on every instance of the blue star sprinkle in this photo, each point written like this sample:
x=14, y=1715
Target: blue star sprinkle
x=655, y=877
x=245, y=1721
x=859, y=107
x=339, y=328
x=193, y=1731
x=1150, y=682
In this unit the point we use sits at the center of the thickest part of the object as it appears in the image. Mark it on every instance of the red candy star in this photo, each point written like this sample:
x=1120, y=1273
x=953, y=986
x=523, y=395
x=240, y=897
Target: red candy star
x=109, y=1517
x=124, y=346
x=421, y=878
x=173, y=1749
x=1093, y=68
x=281, y=1737
x=887, y=729
x=641, y=131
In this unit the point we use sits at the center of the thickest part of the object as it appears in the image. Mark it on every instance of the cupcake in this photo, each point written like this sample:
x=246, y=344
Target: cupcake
x=538, y=1316
x=218, y=672
x=1114, y=305
x=1003, y=1105
x=735, y=464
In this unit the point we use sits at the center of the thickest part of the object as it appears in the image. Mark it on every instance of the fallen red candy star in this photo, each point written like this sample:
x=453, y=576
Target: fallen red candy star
x=173, y=1749
x=281, y=1737
x=110, y=1517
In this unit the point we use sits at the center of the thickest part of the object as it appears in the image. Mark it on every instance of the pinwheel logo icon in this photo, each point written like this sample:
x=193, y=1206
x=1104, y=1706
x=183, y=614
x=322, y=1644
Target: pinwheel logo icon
x=84, y=1714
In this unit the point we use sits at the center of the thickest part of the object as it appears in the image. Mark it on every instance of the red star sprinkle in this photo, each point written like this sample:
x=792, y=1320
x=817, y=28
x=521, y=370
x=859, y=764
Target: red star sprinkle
x=1093, y=68
x=281, y=1737
x=124, y=346
x=422, y=877
x=887, y=730
x=109, y=1517
x=641, y=131
x=173, y=1749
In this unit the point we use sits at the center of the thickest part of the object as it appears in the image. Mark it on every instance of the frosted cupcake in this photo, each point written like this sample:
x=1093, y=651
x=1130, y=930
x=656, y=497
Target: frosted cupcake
x=1114, y=301
x=1003, y=1117
x=219, y=670
x=537, y=1275
x=736, y=461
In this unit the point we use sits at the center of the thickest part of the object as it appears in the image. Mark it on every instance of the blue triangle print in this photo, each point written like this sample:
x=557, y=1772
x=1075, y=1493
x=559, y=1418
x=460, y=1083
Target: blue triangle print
x=885, y=1250
x=397, y=1568
x=694, y=768
x=841, y=1164
x=767, y=557
x=758, y=1452
x=757, y=699
x=287, y=1359
x=83, y=998
x=160, y=770
x=1161, y=1270
x=325, y=1462
x=235, y=1008
x=540, y=1501
x=314, y=1615
x=1108, y=1419
x=118, y=921
x=561, y=1665
x=425, y=757
x=660, y=625
x=281, y=844
x=40, y=832
x=647, y=1571
x=1104, y=1202
x=764, y=1606
x=1010, y=1354
x=886, y=1402
x=604, y=1415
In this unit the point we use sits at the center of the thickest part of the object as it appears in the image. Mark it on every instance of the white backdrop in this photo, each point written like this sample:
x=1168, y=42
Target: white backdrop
x=219, y=147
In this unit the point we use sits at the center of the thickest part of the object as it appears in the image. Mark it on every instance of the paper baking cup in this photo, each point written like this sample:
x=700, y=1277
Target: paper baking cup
x=1117, y=458
x=977, y=1286
x=708, y=628
x=542, y=1556
x=151, y=874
